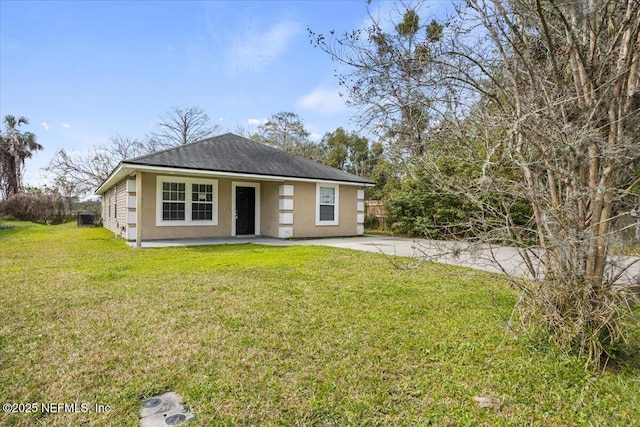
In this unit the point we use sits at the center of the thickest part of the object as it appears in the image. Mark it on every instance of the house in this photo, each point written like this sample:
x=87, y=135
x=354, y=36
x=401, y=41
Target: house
x=230, y=186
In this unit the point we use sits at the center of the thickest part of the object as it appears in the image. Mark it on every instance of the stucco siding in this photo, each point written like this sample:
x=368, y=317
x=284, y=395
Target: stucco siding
x=304, y=213
x=269, y=209
x=151, y=231
x=285, y=209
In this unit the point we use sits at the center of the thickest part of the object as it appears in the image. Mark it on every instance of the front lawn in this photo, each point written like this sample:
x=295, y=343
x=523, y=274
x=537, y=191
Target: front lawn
x=258, y=335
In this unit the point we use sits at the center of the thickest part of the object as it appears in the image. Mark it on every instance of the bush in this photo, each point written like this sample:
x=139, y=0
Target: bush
x=47, y=208
x=371, y=222
x=417, y=210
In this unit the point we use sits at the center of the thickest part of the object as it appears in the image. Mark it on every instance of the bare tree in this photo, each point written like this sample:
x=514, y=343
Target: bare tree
x=567, y=89
x=85, y=171
x=181, y=126
x=395, y=80
x=543, y=98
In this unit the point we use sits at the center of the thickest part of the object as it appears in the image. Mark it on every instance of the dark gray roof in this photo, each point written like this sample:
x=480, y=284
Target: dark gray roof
x=235, y=154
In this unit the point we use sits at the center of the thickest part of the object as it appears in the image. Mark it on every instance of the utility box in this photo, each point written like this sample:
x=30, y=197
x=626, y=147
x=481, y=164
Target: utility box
x=85, y=219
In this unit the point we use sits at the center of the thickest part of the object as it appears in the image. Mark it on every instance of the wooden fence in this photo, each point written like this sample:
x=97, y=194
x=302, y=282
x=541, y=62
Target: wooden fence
x=375, y=208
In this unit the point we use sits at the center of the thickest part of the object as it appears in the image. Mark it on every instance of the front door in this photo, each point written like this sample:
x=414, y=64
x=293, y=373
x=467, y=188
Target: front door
x=245, y=210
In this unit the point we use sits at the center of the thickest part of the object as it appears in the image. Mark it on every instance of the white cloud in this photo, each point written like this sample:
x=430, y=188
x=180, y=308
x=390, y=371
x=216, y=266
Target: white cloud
x=315, y=136
x=44, y=125
x=256, y=50
x=65, y=125
x=256, y=122
x=322, y=100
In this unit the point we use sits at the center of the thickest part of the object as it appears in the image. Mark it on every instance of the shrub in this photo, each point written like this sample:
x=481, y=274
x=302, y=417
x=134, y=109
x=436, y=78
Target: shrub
x=371, y=221
x=47, y=208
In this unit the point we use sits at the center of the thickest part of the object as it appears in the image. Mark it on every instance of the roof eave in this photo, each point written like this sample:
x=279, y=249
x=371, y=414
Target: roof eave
x=125, y=168
x=119, y=172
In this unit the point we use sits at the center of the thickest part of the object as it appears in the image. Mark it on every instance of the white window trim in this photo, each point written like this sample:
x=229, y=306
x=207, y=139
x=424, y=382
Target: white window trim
x=187, y=214
x=336, y=215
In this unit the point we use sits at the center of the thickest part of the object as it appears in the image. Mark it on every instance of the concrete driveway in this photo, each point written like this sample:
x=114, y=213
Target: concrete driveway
x=496, y=259
x=486, y=258
x=492, y=258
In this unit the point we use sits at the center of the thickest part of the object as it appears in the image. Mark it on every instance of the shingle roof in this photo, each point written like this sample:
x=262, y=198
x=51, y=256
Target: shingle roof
x=235, y=154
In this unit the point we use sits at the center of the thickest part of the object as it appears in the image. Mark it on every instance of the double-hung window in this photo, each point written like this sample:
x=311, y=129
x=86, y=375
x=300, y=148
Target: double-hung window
x=202, y=202
x=186, y=201
x=173, y=201
x=327, y=211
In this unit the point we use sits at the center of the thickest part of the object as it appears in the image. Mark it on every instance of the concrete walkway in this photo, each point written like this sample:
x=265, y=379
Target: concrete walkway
x=496, y=259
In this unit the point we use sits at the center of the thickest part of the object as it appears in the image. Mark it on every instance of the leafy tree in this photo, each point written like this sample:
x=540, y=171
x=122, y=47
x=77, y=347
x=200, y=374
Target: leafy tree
x=347, y=151
x=354, y=154
x=286, y=131
x=283, y=130
x=385, y=172
x=15, y=148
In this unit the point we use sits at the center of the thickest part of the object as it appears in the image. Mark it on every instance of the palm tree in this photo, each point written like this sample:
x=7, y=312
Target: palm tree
x=15, y=147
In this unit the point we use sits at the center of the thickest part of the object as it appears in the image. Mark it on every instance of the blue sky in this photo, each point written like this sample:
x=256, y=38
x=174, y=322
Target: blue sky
x=84, y=71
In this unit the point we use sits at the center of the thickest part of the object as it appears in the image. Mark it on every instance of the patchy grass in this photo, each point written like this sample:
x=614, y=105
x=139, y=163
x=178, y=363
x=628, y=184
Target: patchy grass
x=258, y=335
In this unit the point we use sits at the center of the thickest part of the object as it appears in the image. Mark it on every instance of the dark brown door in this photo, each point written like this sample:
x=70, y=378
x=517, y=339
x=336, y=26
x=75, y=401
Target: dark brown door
x=245, y=210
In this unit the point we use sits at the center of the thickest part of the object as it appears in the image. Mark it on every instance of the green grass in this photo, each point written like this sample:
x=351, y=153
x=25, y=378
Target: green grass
x=258, y=335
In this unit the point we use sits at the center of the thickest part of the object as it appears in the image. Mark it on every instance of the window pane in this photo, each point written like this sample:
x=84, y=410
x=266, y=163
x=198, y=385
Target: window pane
x=327, y=195
x=173, y=191
x=327, y=213
x=173, y=211
x=201, y=212
x=202, y=198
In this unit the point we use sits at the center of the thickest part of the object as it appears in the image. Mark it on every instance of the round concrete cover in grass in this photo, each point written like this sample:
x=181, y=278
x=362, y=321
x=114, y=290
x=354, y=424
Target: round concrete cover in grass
x=176, y=419
x=151, y=402
x=164, y=410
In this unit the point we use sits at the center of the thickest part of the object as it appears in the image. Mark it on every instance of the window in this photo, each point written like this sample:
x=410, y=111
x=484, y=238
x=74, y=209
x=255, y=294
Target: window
x=202, y=202
x=115, y=202
x=186, y=201
x=173, y=201
x=327, y=204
